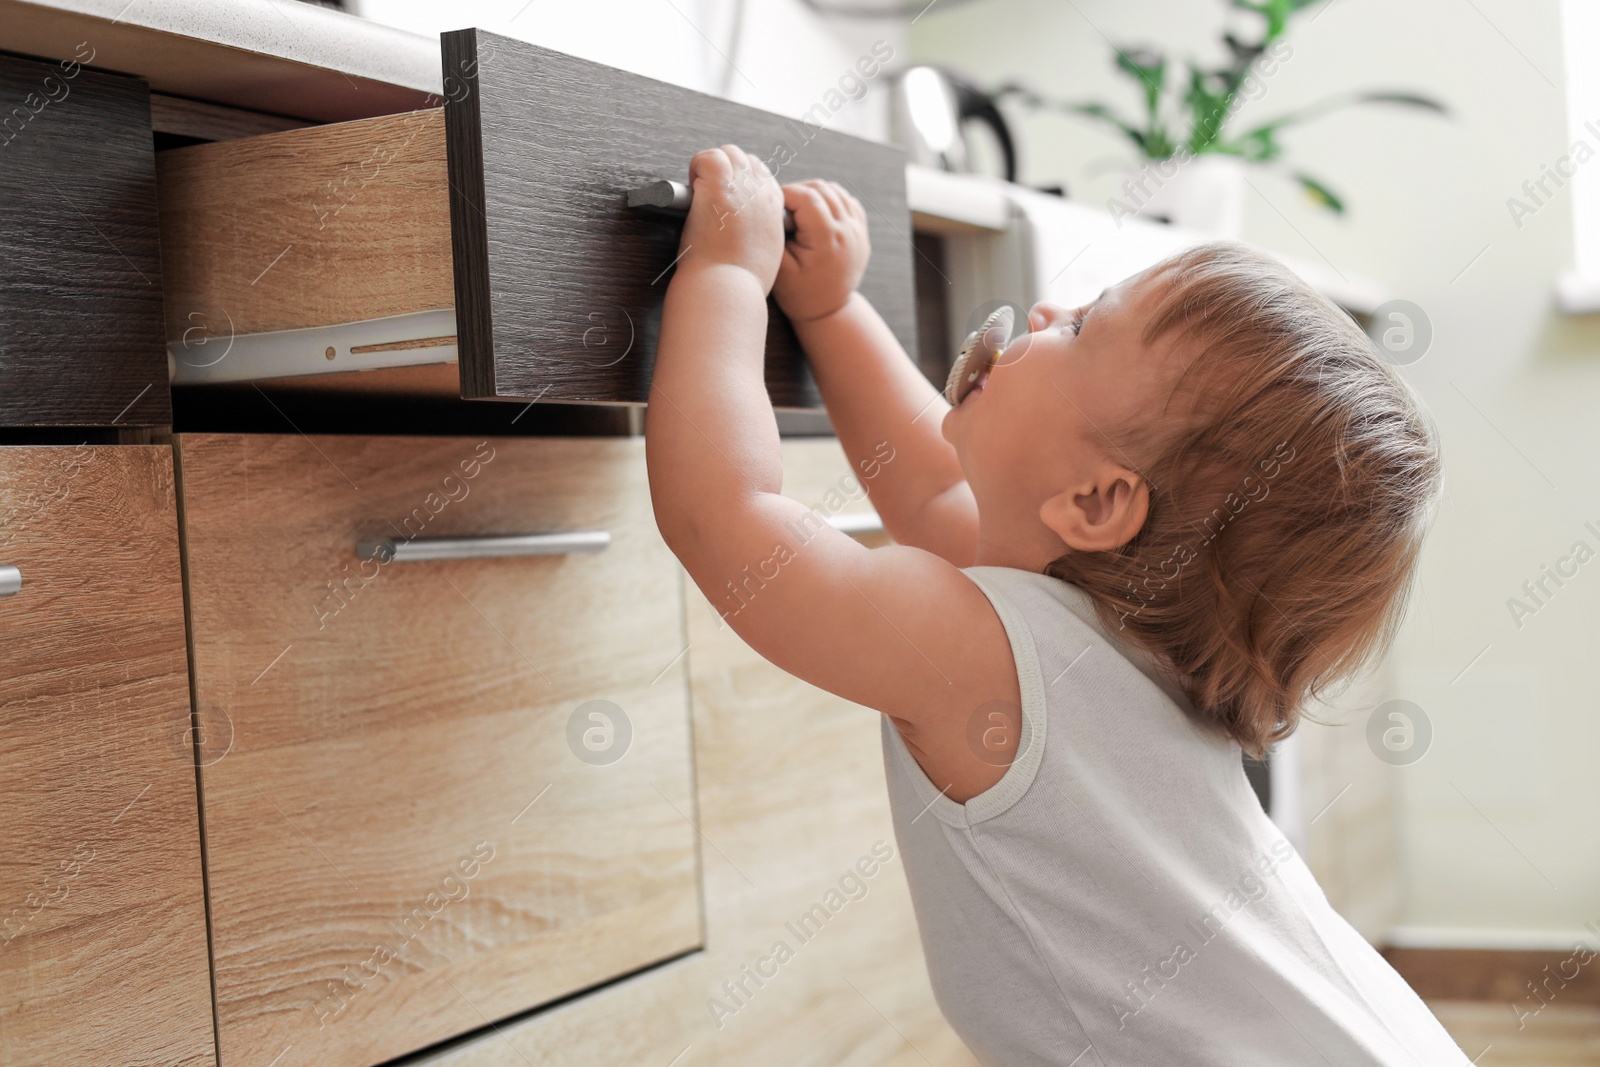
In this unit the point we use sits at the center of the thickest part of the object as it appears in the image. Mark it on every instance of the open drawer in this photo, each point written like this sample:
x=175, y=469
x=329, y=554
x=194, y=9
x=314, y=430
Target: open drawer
x=484, y=249
x=445, y=760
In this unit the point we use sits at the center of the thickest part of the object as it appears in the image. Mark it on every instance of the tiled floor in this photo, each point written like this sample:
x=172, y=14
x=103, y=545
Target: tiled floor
x=1559, y=1036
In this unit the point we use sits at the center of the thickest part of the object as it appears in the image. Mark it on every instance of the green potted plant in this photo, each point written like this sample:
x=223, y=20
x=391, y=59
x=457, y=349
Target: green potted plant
x=1192, y=166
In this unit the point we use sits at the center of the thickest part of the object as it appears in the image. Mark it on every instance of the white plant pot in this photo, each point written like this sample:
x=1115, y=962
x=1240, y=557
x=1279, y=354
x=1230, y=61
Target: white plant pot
x=1205, y=194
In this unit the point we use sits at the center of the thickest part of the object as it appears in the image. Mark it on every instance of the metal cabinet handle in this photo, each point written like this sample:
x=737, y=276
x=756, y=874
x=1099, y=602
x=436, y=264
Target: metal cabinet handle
x=676, y=197
x=10, y=581
x=857, y=524
x=399, y=550
x=664, y=195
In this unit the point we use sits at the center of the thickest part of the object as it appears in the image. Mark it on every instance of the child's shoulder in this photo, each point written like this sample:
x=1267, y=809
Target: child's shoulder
x=1067, y=632
x=1036, y=598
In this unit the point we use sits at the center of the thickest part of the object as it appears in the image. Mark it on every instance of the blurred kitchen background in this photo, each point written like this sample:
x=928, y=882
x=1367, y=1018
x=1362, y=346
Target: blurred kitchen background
x=1459, y=828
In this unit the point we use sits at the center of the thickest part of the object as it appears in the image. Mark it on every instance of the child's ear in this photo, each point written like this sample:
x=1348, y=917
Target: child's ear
x=1101, y=515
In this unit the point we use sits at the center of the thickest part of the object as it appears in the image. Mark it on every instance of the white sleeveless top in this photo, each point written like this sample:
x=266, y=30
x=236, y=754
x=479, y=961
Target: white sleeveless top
x=1119, y=898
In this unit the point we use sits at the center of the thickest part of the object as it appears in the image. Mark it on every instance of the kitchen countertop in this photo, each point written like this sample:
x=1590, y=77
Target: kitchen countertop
x=954, y=204
x=313, y=63
x=278, y=56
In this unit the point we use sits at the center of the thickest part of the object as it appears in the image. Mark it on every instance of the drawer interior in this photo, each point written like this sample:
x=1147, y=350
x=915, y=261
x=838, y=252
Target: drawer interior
x=312, y=253
x=414, y=824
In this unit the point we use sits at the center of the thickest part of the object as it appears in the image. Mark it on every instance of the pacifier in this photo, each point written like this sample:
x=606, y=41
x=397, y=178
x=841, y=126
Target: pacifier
x=978, y=353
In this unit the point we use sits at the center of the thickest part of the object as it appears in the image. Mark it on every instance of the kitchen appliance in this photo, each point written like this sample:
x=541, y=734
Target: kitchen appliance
x=935, y=113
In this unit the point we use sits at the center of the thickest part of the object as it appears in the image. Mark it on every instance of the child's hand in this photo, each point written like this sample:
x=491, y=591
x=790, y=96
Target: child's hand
x=823, y=263
x=737, y=213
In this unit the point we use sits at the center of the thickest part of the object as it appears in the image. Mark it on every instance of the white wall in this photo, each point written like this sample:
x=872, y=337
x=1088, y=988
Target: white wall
x=783, y=57
x=1499, y=825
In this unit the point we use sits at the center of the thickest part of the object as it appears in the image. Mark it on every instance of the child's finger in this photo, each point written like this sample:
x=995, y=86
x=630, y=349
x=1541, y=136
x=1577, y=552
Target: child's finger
x=835, y=198
x=756, y=166
x=809, y=207
x=745, y=174
x=852, y=206
x=769, y=180
x=857, y=212
x=710, y=163
x=844, y=194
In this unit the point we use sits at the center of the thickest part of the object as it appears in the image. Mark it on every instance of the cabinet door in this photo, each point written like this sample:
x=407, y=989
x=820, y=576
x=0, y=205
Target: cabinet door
x=794, y=814
x=102, y=909
x=80, y=269
x=543, y=148
x=445, y=782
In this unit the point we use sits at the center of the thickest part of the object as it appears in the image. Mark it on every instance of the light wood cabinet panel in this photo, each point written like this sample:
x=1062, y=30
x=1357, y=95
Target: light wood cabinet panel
x=792, y=797
x=102, y=907
x=403, y=842
x=304, y=228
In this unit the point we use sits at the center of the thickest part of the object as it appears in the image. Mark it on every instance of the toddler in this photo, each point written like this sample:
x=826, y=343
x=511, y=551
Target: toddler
x=1154, y=528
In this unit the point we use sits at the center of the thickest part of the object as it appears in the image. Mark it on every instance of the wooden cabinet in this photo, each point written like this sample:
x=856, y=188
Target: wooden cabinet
x=80, y=270
x=437, y=792
x=102, y=907
x=792, y=808
x=432, y=733
x=484, y=249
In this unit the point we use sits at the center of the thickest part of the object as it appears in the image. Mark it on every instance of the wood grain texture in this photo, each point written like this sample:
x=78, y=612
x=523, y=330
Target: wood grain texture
x=213, y=122
x=304, y=228
x=1499, y=976
x=80, y=270
x=102, y=907
x=791, y=795
x=385, y=721
x=1562, y=1035
x=543, y=147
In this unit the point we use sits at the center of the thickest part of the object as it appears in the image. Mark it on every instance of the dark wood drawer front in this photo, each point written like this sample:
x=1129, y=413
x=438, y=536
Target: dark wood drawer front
x=102, y=907
x=80, y=269
x=554, y=275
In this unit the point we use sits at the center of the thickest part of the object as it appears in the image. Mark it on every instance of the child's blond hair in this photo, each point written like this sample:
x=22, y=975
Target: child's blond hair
x=1289, y=493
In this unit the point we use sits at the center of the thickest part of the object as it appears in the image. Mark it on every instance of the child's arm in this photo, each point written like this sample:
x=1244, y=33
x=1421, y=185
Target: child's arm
x=895, y=628
x=873, y=391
